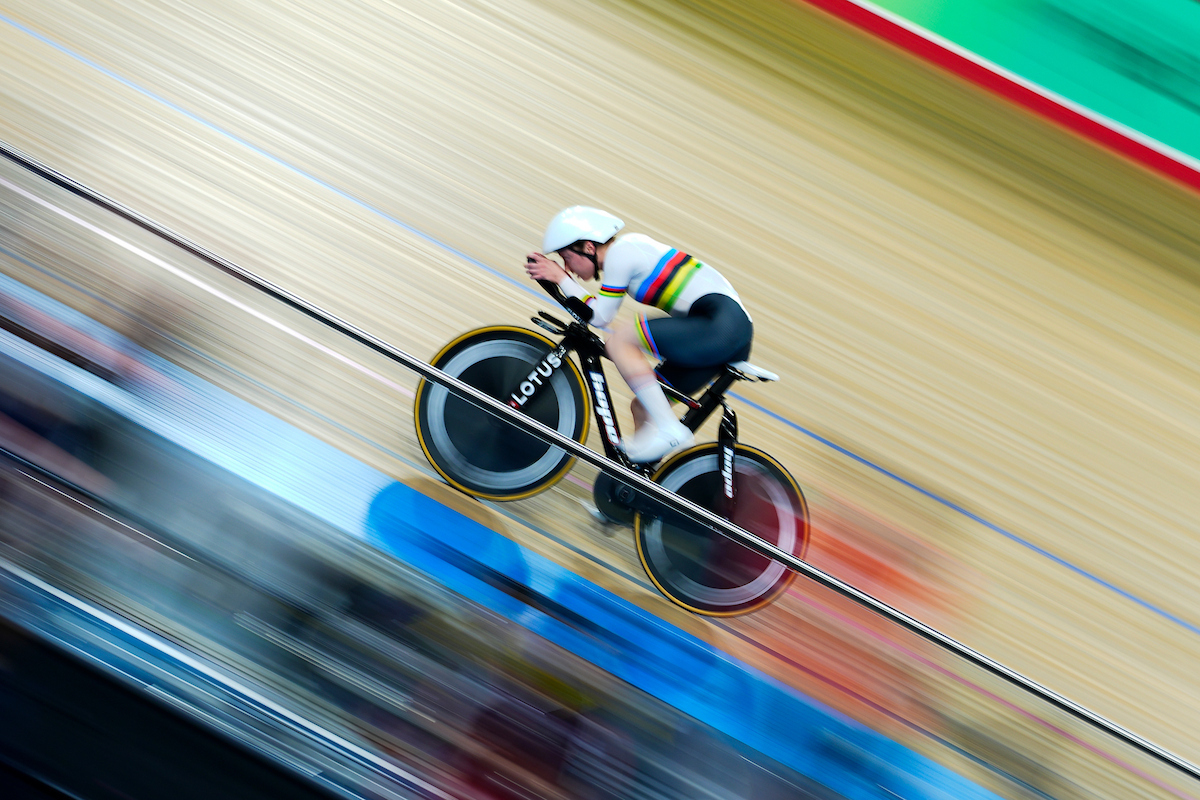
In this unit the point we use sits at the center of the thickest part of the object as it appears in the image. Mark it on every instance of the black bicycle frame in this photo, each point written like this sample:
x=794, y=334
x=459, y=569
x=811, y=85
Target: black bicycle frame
x=578, y=338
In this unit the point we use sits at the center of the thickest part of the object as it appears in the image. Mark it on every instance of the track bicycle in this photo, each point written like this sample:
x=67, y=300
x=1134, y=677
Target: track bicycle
x=490, y=458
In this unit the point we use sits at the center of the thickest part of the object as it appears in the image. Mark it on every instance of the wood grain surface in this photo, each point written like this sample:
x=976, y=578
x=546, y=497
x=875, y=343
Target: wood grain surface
x=1001, y=322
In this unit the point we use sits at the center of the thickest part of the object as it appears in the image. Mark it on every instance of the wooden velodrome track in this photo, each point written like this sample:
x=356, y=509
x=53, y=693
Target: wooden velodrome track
x=957, y=292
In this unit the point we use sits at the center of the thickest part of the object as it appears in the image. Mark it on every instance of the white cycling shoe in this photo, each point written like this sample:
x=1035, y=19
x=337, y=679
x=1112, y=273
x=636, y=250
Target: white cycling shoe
x=651, y=443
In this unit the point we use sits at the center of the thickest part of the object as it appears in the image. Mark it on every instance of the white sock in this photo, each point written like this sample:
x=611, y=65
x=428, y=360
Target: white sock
x=657, y=406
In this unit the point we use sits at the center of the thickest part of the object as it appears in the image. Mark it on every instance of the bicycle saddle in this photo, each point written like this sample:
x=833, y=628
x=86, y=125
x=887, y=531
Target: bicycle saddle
x=748, y=372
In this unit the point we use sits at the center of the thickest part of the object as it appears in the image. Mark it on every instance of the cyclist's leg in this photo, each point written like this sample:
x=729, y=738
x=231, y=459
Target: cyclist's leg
x=649, y=442
x=624, y=348
x=715, y=331
x=625, y=351
x=686, y=380
x=693, y=349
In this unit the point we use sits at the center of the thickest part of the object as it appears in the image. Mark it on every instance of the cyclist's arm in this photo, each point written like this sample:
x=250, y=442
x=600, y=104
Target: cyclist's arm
x=600, y=310
x=613, y=285
x=571, y=288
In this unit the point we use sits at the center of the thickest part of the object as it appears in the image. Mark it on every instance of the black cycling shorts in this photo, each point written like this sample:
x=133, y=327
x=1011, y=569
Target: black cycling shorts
x=693, y=349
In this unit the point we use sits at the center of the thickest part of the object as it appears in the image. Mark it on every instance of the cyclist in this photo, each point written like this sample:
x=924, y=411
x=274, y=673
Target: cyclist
x=707, y=325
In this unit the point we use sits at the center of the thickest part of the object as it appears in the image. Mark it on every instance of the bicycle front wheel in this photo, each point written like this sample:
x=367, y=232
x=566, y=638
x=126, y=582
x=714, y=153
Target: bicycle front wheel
x=480, y=453
x=704, y=571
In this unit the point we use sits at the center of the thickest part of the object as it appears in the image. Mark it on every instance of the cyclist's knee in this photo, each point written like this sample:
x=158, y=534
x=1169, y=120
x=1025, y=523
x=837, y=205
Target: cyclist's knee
x=622, y=335
x=622, y=342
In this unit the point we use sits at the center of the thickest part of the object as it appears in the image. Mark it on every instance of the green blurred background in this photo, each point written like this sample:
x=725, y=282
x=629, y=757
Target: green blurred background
x=1136, y=62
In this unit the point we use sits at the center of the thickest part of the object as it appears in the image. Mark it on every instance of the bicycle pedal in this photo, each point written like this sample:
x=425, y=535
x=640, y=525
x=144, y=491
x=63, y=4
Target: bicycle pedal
x=608, y=525
x=596, y=514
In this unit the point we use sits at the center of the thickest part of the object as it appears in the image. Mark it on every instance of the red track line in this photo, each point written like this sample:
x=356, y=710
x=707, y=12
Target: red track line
x=1040, y=102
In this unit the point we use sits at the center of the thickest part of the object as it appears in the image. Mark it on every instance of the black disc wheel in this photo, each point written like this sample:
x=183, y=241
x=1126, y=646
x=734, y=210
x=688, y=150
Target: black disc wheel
x=704, y=571
x=482, y=454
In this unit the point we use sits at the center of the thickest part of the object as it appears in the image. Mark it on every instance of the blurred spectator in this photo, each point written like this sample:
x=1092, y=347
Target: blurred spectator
x=117, y=360
x=46, y=427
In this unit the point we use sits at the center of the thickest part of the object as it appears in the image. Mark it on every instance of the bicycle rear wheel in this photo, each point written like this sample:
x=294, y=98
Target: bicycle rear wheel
x=704, y=571
x=476, y=451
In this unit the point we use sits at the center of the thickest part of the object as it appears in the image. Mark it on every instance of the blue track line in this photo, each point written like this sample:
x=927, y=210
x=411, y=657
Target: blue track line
x=976, y=518
x=530, y=290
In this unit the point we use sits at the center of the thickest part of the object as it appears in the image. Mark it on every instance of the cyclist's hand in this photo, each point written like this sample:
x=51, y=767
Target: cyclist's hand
x=541, y=268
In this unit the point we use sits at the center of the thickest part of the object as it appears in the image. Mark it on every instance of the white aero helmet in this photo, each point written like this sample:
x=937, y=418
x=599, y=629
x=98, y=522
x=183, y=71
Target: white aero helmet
x=579, y=223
